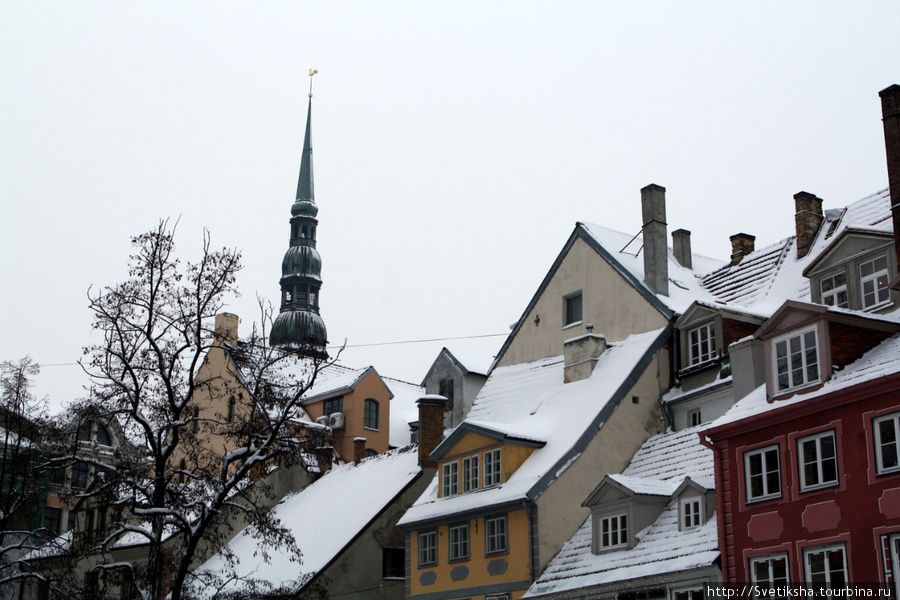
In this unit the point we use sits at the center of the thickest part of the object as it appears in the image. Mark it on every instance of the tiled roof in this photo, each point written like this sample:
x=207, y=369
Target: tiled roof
x=663, y=461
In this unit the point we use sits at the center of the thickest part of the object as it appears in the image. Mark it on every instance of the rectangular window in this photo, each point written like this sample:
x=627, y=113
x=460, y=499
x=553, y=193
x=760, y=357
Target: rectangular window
x=470, y=473
x=451, y=478
x=695, y=418
x=691, y=513
x=497, y=597
x=702, y=343
x=573, y=309
x=492, y=467
x=458, y=536
x=763, y=474
x=689, y=595
x=613, y=531
x=428, y=548
x=818, y=461
x=333, y=405
x=834, y=290
x=79, y=475
x=826, y=567
x=393, y=563
x=873, y=279
x=796, y=361
x=769, y=571
x=52, y=520
x=887, y=444
x=495, y=541
x=370, y=414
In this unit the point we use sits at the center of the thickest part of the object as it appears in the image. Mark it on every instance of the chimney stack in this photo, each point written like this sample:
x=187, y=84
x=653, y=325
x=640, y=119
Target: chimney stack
x=681, y=246
x=807, y=218
x=742, y=244
x=325, y=457
x=226, y=329
x=656, y=252
x=890, y=116
x=580, y=355
x=359, y=449
x=431, y=427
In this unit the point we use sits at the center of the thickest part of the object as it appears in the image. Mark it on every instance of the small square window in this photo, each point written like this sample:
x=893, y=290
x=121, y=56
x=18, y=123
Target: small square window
x=769, y=571
x=613, y=531
x=796, y=360
x=691, y=513
x=834, y=290
x=573, y=309
x=762, y=469
x=393, y=563
x=874, y=280
x=887, y=443
x=695, y=418
x=458, y=536
x=428, y=548
x=818, y=461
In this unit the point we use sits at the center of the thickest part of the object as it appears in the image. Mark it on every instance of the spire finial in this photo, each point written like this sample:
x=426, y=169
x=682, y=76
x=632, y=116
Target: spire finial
x=311, y=73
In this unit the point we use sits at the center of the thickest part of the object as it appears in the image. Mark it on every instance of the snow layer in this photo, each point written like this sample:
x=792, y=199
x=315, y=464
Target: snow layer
x=323, y=518
x=530, y=402
x=664, y=461
x=404, y=409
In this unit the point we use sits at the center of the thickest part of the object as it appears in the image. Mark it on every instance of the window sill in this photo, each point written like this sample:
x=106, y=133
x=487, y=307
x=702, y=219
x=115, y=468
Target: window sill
x=879, y=306
x=371, y=428
x=762, y=499
x=394, y=578
x=572, y=324
x=821, y=486
x=458, y=560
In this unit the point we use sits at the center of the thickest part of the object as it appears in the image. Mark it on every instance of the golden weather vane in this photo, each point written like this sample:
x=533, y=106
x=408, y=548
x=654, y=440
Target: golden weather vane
x=311, y=73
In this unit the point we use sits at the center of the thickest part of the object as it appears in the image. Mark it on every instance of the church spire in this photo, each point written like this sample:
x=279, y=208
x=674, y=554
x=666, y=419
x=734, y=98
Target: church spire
x=298, y=325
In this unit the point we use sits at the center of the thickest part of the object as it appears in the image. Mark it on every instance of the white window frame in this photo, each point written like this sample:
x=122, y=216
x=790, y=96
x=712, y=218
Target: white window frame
x=470, y=473
x=492, y=468
x=450, y=478
x=764, y=473
x=791, y=355
x=769, y=560
x=808, y=553
x=832, y=296
x=690, y=513
x=880, y=276
x=697, y=337
x=569, y=320
x=694, y=417
x=458, y=542
x=803, y=447
x=612, y=531
x=427, y=549
x=881, y=445
x=497, y=597
x=894, y=544
x=496, y=535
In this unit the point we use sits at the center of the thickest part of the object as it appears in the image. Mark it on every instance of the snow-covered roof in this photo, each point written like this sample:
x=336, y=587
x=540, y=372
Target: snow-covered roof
x=323, y=518
x=878, y=362
x=660, y=466
x=404, y=409
x=530, y=402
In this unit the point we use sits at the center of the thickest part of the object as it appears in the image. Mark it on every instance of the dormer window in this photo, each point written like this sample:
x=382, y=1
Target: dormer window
x=613, y=531
x=450, y=475
x=492, y=467
x=702, y=343
x=796, y=360
x=470, y=473
x=690, y=512
x=834, y=290
x=873, y=280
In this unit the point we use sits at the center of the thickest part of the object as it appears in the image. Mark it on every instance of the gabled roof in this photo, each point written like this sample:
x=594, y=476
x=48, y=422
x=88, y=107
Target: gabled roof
x=324, y=519
x=530, y=402
x=467, y=362
x=671, y=461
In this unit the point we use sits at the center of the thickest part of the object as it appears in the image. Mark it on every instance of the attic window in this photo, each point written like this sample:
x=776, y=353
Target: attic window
x=702, y=343
x=796, y=360
x=873, y=279
x=613, y=531
x=834, y=290
x=573, y=309
x=691, y=513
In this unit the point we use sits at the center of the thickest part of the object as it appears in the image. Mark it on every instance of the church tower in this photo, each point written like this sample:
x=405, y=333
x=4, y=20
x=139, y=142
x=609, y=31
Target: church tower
x=298, y=325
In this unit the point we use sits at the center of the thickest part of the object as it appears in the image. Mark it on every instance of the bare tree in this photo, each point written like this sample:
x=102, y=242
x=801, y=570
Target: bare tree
x=201, y=471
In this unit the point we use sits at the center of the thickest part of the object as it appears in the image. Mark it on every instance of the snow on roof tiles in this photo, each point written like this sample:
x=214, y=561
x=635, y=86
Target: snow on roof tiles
x=663, y=461
x=323, y=518
x=529, y=401
x=404, y=409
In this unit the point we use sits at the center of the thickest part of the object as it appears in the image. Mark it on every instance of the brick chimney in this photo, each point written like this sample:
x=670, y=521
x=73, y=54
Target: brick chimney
x=325, y=457
x=681, y=246
x=656, y=251
x=890, y=116
x=807, y=218
x=580, y=355
x=226, y=329
x=359, y=449
x=431, y=427
x=742, y=244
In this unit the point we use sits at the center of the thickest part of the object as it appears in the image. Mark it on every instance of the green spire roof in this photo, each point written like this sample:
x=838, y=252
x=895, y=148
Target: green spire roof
x=305, y=190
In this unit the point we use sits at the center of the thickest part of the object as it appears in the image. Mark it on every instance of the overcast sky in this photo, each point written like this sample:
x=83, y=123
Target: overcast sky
x=456, y=145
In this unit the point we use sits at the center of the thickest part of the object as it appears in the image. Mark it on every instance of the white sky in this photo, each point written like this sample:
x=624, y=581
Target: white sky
x=456, y=145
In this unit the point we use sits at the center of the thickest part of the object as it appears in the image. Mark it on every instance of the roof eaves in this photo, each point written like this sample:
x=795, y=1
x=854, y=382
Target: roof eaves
x=602, y=417
x=467, y=427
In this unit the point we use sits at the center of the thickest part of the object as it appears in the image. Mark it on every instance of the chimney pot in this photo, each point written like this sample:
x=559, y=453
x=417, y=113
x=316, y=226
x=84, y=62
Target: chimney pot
x=681, y=246
x=742, y=244
x=656, y=251
x=807, y=219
